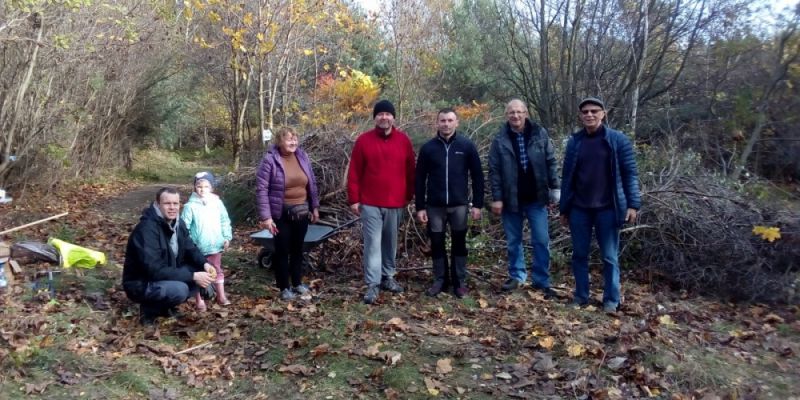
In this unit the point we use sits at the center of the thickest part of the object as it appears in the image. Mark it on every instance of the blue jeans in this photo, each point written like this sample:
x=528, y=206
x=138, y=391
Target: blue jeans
x=604, y=222
x=159, y=296
x=379, y=227
x=536, y=214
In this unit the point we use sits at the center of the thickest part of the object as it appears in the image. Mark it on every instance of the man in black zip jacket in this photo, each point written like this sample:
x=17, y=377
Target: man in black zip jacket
x=163, y=267
x=444, y=167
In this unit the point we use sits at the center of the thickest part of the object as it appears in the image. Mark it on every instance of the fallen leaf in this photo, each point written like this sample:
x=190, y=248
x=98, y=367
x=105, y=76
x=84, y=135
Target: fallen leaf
x=321, y=350
x=391, y=394
x=372, y=351
x=547, y=342
x=483, y=303
x=31, y=388
x=396, y=323
x=666, y=320
x=544, y=363
x=616, y=363
x=296, y=369
x=576, y=350
x=773, y=319
x=614, y=394
x=390, y=357
x=432, y=386
x=504, y=375
x=443, y=366
x=487, y=341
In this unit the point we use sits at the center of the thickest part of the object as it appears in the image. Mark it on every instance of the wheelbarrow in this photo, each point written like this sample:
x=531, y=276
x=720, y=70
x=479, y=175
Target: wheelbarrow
x=316, y=234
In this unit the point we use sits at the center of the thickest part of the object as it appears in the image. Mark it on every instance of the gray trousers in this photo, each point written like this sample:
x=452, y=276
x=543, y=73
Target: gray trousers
x=379, y=229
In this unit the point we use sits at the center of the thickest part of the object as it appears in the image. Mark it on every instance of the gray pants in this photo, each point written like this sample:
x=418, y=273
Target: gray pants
x=439, y=217
x=379, y=229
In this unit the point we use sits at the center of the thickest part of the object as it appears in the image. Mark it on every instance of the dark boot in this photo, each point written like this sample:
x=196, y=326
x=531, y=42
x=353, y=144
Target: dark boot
x=439, y=277
x=460, y=276
x=459, y=267
x=148, y=315
x=441, y=272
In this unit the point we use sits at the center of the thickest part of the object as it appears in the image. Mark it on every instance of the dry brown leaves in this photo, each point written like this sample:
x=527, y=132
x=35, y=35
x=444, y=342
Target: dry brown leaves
x=500, y=345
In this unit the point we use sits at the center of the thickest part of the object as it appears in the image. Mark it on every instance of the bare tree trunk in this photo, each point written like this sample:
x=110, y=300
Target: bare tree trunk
x=639, y=60
x=205, y=139
x=5, y=160
x=261, y=94
x=782, y=63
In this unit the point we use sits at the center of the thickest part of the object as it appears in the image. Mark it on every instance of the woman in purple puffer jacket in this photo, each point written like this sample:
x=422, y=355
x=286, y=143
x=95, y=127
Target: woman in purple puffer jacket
x=287, y=200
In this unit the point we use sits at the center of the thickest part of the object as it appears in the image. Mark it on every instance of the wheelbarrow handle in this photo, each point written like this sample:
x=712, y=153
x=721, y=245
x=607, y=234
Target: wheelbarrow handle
x=338, y=228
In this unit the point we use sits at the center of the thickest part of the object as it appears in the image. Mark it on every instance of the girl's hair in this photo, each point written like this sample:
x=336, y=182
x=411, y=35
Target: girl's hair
x=282, y=133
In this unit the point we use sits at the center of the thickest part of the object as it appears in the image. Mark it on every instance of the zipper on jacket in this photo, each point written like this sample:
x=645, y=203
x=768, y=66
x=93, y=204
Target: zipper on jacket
x=446, y=173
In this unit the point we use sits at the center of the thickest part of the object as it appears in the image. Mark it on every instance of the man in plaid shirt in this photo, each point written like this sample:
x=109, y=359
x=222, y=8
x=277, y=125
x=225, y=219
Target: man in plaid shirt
x=523, y=179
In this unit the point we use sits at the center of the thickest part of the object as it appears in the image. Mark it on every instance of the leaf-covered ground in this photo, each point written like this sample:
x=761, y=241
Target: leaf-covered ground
x=86, y=342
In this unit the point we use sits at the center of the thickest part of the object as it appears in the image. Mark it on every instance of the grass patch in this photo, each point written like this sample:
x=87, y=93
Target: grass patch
x=251, y=280
x=155, y=165
x=336, y=374
x=87, y=375
x=94, y=280
x=240, y=202
x=403, y=376
x=786, y=330
x=67, y=232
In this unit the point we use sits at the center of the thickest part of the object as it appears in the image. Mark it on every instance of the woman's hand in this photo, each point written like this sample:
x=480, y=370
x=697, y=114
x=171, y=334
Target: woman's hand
x=315, y=216
x=269, y=225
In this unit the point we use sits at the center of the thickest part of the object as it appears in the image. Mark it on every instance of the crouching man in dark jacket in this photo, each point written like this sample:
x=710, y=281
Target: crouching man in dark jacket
x=163, y=267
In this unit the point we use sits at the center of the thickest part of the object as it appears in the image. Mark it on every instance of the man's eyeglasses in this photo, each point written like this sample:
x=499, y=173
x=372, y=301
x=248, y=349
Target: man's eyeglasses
x=591, y=111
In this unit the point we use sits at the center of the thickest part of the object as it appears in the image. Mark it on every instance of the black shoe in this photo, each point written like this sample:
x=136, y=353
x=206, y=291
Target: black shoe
x=173, y=312
x=147, y=319
x=435, y=289
x=578, y=304
x=510, y=285
x=391, y=285
x=549, y=293
x=208, y=293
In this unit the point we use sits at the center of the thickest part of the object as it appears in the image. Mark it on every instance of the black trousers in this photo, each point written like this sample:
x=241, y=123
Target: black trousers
x=287, y=261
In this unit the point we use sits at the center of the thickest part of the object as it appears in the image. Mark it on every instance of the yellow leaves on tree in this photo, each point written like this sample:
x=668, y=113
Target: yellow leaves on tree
x=473, y=110
x=341, y=97
x=767, y=233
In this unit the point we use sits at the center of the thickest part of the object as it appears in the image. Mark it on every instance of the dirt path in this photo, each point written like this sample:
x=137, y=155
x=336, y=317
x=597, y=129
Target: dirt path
x=131, y=204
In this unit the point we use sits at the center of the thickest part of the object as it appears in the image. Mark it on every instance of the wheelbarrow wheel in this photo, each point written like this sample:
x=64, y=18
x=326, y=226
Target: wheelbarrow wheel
x=265, y=259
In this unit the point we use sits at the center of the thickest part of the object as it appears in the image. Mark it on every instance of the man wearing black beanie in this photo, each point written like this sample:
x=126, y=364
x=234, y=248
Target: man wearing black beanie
x=380, y=183
x=383, y=106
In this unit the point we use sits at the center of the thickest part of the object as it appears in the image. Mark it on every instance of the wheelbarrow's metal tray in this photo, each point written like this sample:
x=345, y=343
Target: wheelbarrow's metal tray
x=314, y=235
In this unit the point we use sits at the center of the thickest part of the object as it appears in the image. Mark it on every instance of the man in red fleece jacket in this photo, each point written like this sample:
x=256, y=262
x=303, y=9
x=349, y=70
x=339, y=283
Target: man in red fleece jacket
x=380, y=183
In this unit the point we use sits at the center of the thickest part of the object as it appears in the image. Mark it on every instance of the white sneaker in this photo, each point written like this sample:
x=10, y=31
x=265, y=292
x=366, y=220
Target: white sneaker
x=287, y=294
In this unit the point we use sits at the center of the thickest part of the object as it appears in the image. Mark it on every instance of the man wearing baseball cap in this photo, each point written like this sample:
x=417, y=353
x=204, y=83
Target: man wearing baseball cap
x=380, y=183
x=600, y=191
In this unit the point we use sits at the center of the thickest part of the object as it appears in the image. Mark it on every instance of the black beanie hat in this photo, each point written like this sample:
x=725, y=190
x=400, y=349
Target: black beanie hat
x=383, y=106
